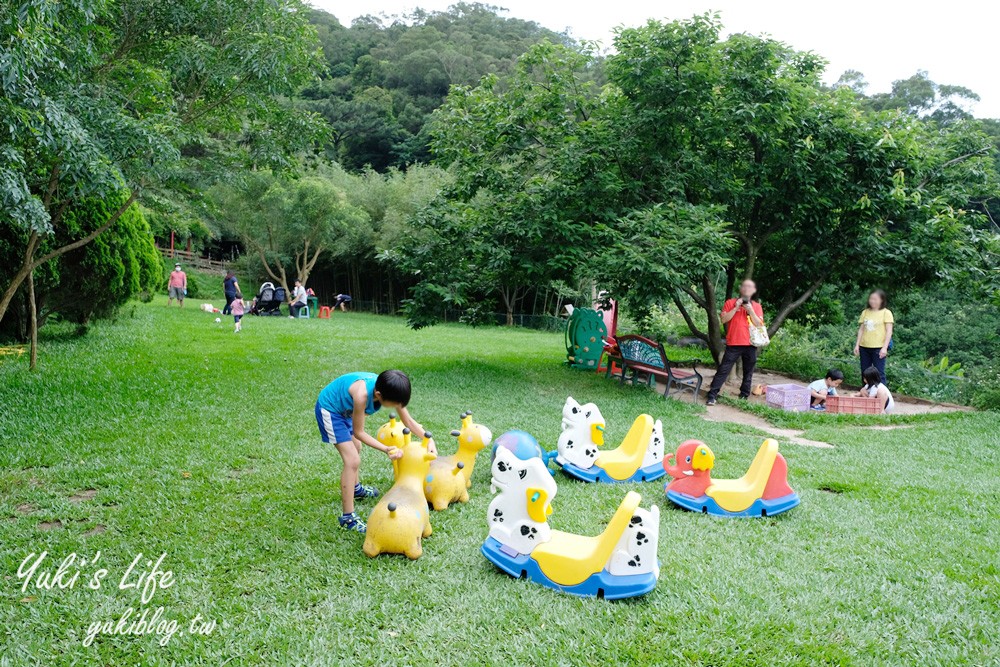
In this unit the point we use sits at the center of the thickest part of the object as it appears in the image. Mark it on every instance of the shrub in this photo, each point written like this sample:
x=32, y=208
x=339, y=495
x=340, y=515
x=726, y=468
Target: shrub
x=985, y=386
x=805, y=354
x=94, y=281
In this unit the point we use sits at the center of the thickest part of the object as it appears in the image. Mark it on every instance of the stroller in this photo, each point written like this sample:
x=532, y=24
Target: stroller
x=268, y=300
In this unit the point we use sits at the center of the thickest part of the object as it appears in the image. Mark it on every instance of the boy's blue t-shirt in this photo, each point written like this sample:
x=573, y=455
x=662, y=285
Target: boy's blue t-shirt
x=336, y=396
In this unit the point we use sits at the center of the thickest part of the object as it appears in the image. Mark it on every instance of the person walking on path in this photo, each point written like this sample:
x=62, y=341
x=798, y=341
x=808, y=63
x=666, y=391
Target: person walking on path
x=231, y=288
x=737, y=314
x=874, y=333
x=177, y=286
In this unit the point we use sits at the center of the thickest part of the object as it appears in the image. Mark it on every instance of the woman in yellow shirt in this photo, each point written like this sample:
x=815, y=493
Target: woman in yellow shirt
x=874, y=333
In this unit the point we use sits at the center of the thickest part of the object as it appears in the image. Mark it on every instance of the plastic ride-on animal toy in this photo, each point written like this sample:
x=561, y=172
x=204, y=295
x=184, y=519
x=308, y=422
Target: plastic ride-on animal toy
x=762, y=491
x=638, y=459
x=618, y=563
x=401, y=519
x=450, y=477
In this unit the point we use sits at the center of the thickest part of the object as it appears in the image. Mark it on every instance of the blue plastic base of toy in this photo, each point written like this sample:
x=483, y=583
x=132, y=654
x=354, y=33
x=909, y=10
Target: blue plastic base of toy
x=760, y=507
x=597, y=474
x=603, y=584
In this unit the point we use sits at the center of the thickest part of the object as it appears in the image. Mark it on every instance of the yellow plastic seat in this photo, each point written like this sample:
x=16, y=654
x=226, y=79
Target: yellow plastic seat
x=621, y=463
x=568, y=559
x=735, y=495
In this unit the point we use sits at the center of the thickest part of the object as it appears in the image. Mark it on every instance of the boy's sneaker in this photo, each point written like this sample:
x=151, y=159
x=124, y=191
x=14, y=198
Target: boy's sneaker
x=710, y=401
x=352, y=522
x=818, y=407
x=364, y=491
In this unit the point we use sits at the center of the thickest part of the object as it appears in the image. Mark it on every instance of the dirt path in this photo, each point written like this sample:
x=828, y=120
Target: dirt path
x=905, y=405
x=725, y=413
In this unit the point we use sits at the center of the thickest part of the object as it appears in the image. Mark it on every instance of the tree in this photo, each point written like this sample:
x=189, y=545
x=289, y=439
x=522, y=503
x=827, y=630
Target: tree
x=702, y=162
x=530, y=199
x=288, y=224
x=919, y=96
x=105, y=97
x=811, y=186
x=388, y=74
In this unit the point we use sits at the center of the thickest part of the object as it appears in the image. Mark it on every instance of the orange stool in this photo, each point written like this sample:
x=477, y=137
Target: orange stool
x=324, y=312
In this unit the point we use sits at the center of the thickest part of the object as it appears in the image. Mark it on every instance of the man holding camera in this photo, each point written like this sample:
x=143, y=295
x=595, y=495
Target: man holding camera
x=737, y=315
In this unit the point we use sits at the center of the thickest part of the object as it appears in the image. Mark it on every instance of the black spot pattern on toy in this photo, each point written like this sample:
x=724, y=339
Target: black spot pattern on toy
x=640, y=538
x=529, y=532
x=635, y=562
x=590, y=452
x=502, y=467
x=498, y=516
x=575, y=410
x=569, y=444
x=522, y=473
x=636, y=520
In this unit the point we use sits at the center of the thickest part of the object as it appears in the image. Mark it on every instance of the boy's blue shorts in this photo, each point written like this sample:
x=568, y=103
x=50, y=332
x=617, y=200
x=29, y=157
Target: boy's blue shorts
x=333, y=427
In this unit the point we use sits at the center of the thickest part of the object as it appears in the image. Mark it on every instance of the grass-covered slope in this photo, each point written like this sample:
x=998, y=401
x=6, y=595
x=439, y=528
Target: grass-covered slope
x=201, y=444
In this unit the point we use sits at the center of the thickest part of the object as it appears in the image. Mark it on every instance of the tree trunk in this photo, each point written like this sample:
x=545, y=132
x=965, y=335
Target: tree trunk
x=716, y=342
x=730, y=280
x=33, y=321
x=751, y=263
x=509, y=296
x=790, y=305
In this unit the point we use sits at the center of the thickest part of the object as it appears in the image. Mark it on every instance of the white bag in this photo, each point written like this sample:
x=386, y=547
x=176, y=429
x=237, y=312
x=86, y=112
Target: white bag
x=758, y=335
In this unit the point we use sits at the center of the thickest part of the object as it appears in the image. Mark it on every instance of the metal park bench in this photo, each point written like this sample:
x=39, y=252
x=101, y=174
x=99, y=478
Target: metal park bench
x=642, y=358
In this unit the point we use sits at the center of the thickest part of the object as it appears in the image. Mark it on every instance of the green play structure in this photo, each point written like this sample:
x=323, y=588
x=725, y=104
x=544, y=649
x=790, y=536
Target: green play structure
x=585, y=334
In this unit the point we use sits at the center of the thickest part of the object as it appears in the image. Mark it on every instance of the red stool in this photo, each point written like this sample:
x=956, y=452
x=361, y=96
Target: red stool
x=324, y=312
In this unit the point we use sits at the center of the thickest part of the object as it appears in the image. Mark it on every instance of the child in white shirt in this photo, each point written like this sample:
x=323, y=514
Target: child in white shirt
x=874, y=388
x=821, y=389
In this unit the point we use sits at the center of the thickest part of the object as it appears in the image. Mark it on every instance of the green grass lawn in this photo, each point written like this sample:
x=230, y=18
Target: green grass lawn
x=166, y=433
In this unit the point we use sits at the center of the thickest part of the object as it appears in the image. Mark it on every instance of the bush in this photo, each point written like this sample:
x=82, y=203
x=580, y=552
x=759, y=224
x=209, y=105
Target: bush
x=985, y=386
x=947, y=323
x=96, y=280
x=660, y=324
x=92, y=282
x=807, y=355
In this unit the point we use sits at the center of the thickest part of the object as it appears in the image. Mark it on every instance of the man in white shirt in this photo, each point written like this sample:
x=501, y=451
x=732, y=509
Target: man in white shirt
x=299, y=299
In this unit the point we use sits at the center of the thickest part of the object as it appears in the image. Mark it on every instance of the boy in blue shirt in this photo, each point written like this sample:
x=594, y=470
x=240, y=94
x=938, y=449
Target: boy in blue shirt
x=340, y=413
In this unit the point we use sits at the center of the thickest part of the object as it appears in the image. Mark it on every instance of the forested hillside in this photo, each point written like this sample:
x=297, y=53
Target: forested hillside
x=385, y=77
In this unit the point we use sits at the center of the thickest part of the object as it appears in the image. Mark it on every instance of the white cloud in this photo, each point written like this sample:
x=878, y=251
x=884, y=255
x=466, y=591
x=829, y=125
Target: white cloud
x=885, y=39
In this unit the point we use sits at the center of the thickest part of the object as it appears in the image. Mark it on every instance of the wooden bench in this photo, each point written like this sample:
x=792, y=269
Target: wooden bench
x=641, y=357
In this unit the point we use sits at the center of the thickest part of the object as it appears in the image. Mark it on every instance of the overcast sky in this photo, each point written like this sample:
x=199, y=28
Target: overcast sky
x=884, y=39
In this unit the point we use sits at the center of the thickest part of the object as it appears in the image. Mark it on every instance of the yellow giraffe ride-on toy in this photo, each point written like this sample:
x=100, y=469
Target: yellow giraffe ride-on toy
x=401, y=520
x=450, y=477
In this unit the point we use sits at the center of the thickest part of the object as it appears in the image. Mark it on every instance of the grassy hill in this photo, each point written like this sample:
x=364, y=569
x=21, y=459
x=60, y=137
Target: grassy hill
x=166, y=433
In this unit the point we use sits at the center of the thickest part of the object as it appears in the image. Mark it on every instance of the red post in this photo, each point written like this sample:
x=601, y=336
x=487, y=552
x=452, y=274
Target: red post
x=171, y=243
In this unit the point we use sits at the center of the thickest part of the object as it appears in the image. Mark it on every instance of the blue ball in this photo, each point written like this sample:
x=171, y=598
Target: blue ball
x=520, y=443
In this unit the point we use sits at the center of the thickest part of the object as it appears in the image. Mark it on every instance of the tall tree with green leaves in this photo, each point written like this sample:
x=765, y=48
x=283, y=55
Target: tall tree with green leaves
x=288, y=224
x=103, y=97
x=702, y=162
x=388, y=74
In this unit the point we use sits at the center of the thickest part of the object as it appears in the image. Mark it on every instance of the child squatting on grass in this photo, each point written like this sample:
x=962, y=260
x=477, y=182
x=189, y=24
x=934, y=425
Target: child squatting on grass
x=340, y=413
x=874, y=387
x=824, y=387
